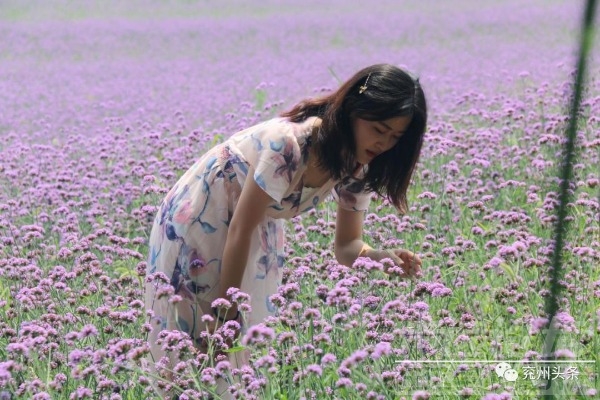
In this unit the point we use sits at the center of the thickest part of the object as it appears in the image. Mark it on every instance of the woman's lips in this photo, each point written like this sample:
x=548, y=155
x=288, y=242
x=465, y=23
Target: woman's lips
x=371, y=154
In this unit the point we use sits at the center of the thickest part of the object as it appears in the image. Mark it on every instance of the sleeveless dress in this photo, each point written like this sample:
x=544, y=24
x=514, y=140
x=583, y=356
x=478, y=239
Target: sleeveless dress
x=189, y=231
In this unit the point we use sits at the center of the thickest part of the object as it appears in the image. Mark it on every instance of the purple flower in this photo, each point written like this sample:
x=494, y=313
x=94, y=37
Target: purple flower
x=328, y=359
x=537, y=324
x=355, y=358
x=495, y=396
x=360, y=387
x=314, y=369
x=461, y=339
x=58, y=381
x=278, y=300
x=565, y=322
x=87, y=331
x=461, y=368
x=266, y=361
x=435, y=289
x=564, y=354
x=223, y=367
x=258, y=335
x=381, y=349
x=343, y=382
x=312, y=313
x=285, y=337
x=76, y=356
x=221, y=303
x=339, y=317
x=81, y=393
x=18, y=348
x=421, y=395
x=5, y=372
x=427, y=195
x=339, y=296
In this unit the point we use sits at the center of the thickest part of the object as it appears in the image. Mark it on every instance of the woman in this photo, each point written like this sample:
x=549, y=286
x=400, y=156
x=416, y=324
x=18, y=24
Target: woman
x=222, y=225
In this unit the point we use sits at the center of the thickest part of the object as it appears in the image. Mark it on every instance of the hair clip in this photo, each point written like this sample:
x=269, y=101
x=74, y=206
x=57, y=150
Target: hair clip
x=417, y=84
x=364, y=87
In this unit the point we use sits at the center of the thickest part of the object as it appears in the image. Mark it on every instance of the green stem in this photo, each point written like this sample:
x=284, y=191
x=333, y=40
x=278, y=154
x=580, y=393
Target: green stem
x=551, y=306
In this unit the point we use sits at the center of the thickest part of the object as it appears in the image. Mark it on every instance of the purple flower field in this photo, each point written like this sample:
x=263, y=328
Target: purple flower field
x=103, y=105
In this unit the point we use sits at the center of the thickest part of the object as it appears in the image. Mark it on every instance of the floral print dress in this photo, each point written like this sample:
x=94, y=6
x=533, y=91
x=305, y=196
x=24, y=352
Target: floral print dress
x=190, y=228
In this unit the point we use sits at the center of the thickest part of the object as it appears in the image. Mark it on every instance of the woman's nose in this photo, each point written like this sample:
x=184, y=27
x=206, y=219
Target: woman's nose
x=384, y=144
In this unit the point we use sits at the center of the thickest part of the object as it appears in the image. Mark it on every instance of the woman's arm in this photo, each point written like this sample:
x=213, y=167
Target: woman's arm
x=249, y=212
x=349, y=244
x=348, y=235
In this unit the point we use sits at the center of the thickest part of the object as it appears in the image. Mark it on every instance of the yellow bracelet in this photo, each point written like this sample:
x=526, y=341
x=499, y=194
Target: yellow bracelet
x=363, y=251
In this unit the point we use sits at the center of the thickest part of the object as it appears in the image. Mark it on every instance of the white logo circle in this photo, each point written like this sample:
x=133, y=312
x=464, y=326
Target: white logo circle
x=503, y=370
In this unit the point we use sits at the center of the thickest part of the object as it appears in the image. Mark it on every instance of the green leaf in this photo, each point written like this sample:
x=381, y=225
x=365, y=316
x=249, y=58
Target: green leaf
x=260, y=98
x=509, y=271
x=235, y=349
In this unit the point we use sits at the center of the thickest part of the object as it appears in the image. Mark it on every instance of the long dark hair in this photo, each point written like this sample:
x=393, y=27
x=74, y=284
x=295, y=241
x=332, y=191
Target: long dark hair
x=390, y=92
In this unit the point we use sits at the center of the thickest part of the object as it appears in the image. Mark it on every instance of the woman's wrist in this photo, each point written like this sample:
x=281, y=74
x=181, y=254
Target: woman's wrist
x=378, y=254
x=364, y=251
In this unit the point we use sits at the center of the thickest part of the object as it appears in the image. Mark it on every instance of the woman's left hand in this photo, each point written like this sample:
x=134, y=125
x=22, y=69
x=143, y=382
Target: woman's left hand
x=409, y=262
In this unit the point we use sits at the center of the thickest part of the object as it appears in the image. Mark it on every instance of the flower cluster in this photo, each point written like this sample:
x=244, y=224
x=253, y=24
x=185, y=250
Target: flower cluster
x=100, y=118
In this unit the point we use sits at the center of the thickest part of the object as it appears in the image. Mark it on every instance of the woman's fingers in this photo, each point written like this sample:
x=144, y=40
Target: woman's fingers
x=392, y=255
x=411, y=263
x=409, y=257
x=408, y=261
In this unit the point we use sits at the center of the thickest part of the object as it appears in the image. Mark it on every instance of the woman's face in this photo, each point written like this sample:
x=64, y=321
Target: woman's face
x=375, y=137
